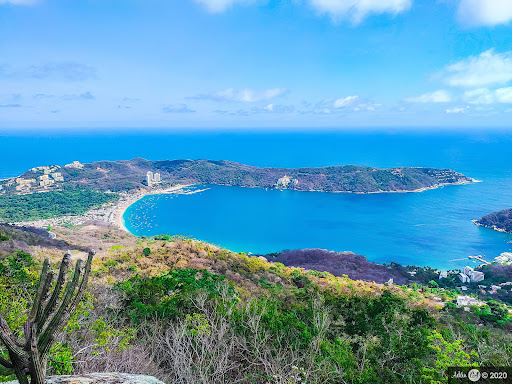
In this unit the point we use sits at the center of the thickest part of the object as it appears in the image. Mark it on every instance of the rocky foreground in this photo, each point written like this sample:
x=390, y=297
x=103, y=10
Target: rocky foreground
x=100, y=378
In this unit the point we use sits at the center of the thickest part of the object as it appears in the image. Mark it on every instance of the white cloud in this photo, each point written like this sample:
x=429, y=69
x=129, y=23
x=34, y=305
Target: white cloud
x=345, y=102
x=357, y=10
x=484, y=12
x=217, y=6
x=487, y=96
x=440, y=96
x=456, y=110
x=488, y=68
x=479, y=96
x=504, y=95
x=242, y=95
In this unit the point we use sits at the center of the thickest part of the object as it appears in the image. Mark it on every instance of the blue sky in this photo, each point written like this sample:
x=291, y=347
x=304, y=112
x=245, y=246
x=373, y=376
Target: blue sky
x=255, y=63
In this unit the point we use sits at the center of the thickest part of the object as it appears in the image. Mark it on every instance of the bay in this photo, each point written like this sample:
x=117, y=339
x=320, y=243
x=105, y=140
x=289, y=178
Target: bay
x=428, y=228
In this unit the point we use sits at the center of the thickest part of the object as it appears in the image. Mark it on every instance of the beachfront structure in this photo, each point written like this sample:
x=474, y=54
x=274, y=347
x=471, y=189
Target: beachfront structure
x=152, y=178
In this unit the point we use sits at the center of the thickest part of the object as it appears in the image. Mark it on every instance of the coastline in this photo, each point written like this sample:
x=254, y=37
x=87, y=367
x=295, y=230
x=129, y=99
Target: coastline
x=112, y=214
x=441, y=185
x=131, y=198
x=490, y=227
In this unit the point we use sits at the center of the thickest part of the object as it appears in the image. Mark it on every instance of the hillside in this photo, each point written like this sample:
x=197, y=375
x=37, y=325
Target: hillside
x=187, y=311
x=340, y=263
x=126, y=175
x=499, y=221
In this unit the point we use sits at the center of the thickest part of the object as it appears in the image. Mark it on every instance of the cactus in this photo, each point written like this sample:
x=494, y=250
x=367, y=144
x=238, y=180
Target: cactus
x=49, y=313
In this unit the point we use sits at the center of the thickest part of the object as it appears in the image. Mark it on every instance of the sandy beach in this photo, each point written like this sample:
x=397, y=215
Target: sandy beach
x=109, y=213
x=130, y=198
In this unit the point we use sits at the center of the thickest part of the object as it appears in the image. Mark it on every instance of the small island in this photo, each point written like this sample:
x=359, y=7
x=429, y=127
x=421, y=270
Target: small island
x=499, y=221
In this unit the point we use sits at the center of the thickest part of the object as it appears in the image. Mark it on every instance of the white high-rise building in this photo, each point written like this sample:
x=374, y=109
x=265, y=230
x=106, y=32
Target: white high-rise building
x=153, y=178
x=149, y=178
x=472, y=275
x=464, y=278
x=468, y=270
x=477, y=276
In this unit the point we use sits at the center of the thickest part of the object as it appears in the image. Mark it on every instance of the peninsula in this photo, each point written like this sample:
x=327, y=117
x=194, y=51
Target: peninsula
x=136, y=174
x=500, y=221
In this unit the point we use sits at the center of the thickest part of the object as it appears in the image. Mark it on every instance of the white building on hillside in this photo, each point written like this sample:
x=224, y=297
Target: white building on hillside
x=152, y=178
x=474, y=276
x=464, y=278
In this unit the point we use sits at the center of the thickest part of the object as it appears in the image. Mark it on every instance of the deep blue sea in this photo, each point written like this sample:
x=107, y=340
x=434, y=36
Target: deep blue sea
x=428, y=228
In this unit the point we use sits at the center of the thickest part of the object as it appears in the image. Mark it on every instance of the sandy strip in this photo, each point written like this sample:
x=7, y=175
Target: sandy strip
x=126, y=201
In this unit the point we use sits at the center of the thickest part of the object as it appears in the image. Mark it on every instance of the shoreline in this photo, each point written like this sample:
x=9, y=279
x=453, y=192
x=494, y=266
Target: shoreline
x=441, y=185
x=123, y=204
x=113, y=214
x=490, y=227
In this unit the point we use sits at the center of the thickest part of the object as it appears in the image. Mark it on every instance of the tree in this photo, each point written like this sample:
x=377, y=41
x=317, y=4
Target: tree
x=447, y=354
x=28, y=357
x=146, y=252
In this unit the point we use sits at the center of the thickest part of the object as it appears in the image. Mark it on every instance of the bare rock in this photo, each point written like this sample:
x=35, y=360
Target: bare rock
x=100, y=378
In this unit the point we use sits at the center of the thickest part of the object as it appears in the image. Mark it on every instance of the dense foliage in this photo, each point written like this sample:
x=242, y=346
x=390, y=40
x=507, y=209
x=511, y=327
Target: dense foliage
x=38, y=206
x=330, y=338
x=500, y=220
x=189, y=312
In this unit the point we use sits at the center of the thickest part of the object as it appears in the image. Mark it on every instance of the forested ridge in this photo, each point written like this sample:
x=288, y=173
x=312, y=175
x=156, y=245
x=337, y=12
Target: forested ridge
x=187, y=311
x=126, y=175
x=501, y=220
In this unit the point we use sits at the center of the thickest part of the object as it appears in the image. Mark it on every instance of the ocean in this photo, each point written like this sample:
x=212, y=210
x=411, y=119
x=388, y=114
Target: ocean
x=429, y=228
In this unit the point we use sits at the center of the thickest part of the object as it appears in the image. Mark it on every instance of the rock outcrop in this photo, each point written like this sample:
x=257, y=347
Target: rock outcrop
x=100, y=378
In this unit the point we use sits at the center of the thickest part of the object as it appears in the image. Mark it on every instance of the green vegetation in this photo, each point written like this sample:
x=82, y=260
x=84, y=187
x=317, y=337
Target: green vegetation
x=19, y=281
x=330, y=337
x=131, y=174
x=191, y=312
x=51, y=204
x=501, y=220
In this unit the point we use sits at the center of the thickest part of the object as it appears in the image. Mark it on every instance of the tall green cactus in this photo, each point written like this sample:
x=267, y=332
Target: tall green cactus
x=49, y=313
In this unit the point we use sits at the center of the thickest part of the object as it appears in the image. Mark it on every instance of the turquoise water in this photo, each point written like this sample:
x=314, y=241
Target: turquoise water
x=428, y=228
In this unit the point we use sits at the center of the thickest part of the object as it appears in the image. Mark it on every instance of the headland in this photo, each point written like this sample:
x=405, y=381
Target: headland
x=140, y=174
x=499, y=221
